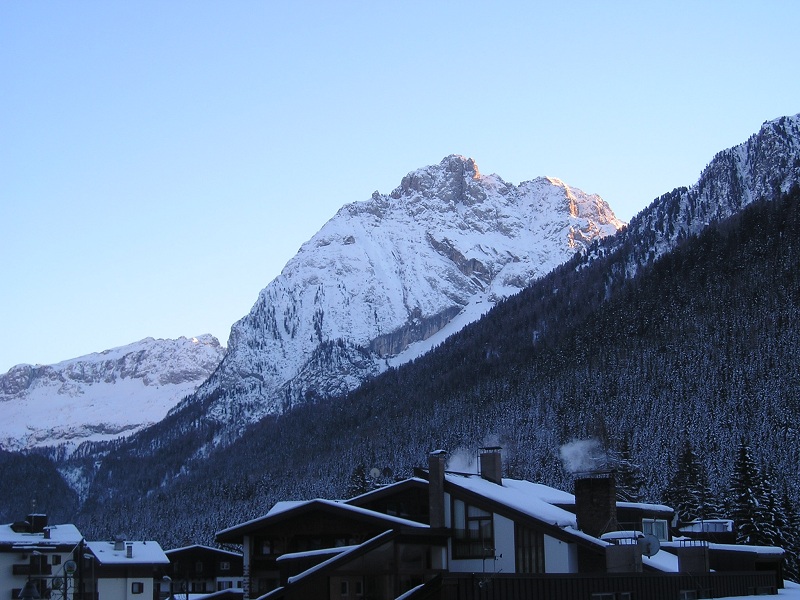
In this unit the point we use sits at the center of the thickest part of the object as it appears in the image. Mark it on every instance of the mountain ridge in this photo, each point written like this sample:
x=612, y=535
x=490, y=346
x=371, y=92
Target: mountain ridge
x=392, y=271
x=103, y=395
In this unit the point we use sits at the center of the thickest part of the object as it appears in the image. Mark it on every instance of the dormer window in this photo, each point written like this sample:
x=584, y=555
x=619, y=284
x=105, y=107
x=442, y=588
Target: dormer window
x=473, y=532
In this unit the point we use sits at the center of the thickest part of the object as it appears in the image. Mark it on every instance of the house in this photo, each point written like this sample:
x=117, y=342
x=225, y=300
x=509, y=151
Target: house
x=200, y=569
x=123, y=570
x=40, y=555
x=295, y=537
x=448, y=535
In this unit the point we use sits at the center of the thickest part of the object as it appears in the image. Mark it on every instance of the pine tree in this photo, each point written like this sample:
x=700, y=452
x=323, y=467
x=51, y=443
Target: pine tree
x=630, y=480
x=749, y=501
x=790, y=537
x=358, y=482
x=688, y=492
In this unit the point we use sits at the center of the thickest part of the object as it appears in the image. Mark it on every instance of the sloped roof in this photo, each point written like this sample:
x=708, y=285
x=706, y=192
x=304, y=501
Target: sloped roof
x=202, y=547
x=59, y=535
x=532, y=499
x=286, y=510
x=333, y=562
x=143, y=553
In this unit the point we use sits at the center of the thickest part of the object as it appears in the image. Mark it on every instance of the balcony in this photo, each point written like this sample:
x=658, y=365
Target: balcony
x=32, y=570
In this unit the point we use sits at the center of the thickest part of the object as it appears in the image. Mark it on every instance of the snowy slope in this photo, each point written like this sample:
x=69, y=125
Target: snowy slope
x=766, y=164
x=102, y=396
x=386, y=278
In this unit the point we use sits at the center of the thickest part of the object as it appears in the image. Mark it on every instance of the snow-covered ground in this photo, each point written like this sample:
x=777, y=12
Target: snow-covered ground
x=790, y=592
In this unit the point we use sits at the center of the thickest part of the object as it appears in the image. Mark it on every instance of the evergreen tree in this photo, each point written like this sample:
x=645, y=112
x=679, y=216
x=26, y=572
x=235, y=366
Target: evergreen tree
x=630, y=480
x=790, y=537
x=358, y=482
x=688, y=492
x=749, y=501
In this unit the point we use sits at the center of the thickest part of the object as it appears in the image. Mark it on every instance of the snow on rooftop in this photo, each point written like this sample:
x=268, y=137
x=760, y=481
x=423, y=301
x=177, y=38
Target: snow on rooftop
x=709, y=525
x=309, y=553
x=286, y=506
x=201, y=546
x=662, y=561
x=145, y=552
x=645, y=506
x=59, y=534
x=533, y=499
x=338, y=556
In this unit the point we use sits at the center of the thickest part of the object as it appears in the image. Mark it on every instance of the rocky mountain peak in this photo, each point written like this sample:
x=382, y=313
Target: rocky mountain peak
x=451, y=181
x=386, y=278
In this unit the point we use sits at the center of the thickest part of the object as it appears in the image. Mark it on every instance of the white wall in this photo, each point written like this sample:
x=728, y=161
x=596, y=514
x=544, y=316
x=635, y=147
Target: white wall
x=559, y=557
x=120, y=589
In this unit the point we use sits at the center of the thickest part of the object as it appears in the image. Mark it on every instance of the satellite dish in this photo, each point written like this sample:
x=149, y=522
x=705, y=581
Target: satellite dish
x=649, y=544
x=374, y=472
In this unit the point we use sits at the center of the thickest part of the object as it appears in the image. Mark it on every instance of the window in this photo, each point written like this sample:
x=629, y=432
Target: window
x=198, y=566
x=359, y=588
x=529, y=546
x=344, y=588
x=225, y=565
x=137, y=587
x=56, y=559
x=656, y=527
x=473, y=531
x=268, y=547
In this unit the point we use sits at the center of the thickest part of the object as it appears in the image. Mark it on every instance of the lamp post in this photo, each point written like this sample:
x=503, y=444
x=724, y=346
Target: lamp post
x=90, y=557
x=31, y=590
x=168, y=579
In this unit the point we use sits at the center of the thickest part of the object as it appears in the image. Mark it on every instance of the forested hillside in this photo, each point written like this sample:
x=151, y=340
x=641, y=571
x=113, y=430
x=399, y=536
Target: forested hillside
x=701, y=345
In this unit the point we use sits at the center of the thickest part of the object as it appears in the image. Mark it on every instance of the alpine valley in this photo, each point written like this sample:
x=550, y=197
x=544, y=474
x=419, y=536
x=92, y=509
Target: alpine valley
x=458, y=311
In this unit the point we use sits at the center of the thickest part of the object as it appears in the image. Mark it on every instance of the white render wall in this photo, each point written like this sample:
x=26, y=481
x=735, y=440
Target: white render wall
x=120, y=588
x=560, y=557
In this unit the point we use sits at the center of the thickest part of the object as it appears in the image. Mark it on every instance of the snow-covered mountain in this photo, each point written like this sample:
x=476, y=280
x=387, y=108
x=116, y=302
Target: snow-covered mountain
x=387, y=278
x=102, y=396
x=767, y=164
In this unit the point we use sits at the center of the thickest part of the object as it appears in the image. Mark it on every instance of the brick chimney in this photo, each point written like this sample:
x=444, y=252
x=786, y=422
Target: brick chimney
x=596, y=503
x=436, y=464
x=491, y=464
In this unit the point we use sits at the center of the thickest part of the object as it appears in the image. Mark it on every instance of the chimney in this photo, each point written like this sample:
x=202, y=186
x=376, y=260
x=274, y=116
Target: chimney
x=436, y=463
x=38, y=522
x=491, y=464
x=119, y=543
x=596, y=503
x=128, y=550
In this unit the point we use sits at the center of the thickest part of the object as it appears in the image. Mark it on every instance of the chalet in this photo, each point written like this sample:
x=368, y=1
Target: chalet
x=447, y=535
x=294, y=537
x=123, y=570
x=204, y=570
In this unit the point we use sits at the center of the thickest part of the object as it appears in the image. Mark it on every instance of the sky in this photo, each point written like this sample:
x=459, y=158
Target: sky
x=160, y=162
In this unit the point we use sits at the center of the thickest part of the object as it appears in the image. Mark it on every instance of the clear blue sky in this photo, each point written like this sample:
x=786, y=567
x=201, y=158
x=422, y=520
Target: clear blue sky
x=161, y=161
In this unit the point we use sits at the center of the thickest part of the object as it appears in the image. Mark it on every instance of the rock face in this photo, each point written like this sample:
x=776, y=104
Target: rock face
x=387, y=278
x=102, y=396
x=767, y=164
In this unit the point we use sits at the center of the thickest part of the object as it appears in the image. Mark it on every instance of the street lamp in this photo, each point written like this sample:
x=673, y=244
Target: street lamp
x=90, y=557
x=30, y=591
